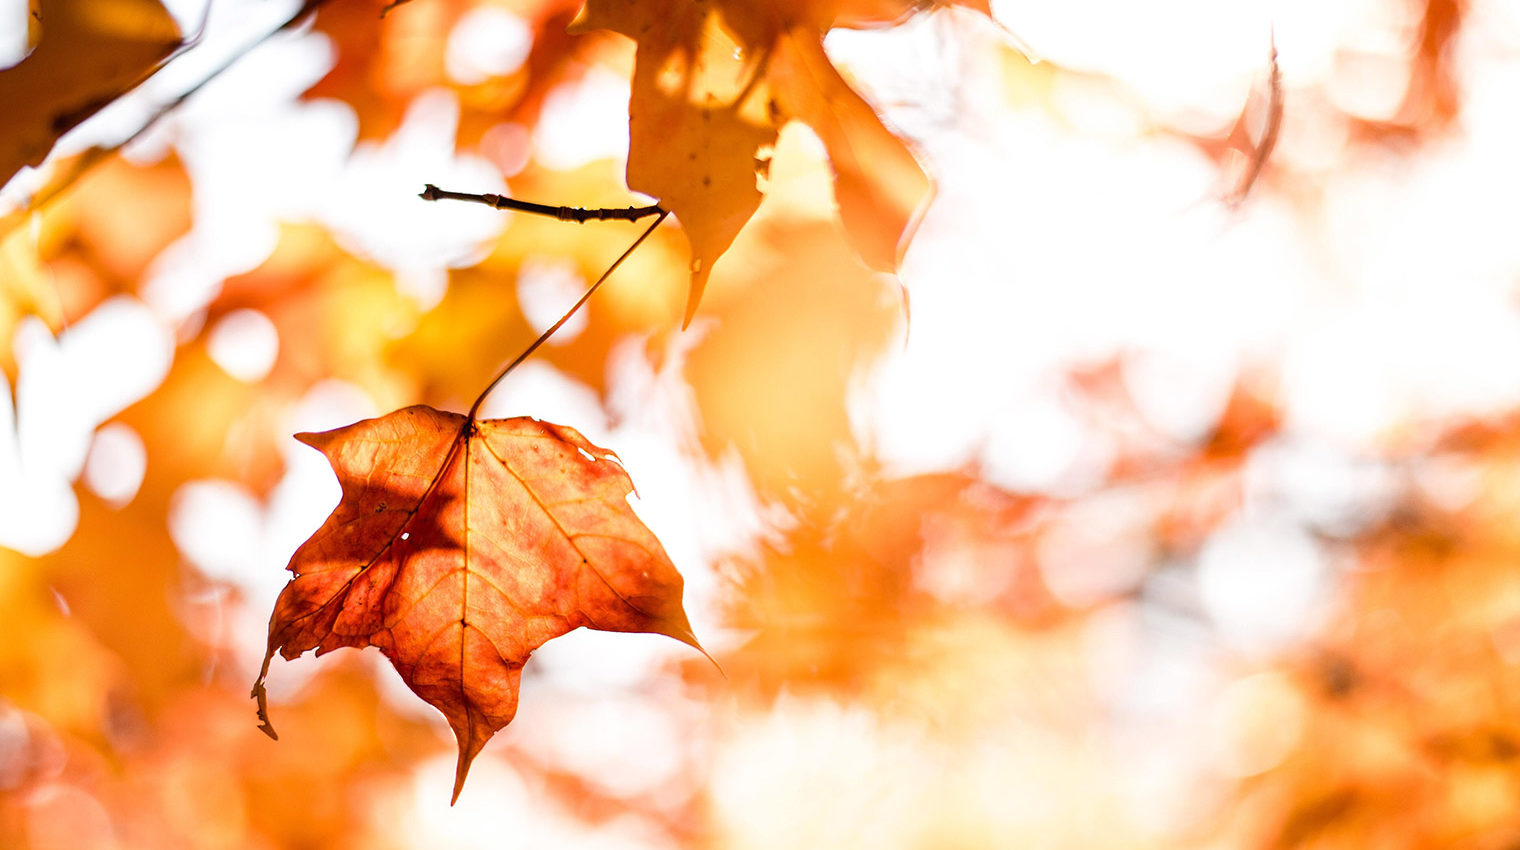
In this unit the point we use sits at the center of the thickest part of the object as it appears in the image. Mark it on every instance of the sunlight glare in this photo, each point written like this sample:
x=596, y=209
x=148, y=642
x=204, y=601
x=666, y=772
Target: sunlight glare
x=67, y=388
x=488, y=41
x=13, y=32
x=583, y=122
x=375, y=208
x=625, y=744
x=546, y=287
x=115, y=466
x=217, y=526
x=1263, y=583
x=245, y=344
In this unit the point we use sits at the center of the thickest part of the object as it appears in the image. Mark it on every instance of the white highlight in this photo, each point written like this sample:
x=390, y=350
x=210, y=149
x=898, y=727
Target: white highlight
x=376, y=212
x=116, y=464
x=13, y=32
x=584, y=122
x=1262, y=583
x=546, y=287
x=66, y=389
x=487, y=42
x=245, y=344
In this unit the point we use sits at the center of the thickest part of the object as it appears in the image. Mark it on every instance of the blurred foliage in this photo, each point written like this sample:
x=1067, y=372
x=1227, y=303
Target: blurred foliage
x=912, y=659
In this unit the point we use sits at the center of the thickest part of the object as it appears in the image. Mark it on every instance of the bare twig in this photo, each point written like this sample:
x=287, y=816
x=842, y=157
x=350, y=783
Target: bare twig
x=581, y=216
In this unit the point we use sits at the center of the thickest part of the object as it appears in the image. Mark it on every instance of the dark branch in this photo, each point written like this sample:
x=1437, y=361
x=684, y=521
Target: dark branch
x=433, y=193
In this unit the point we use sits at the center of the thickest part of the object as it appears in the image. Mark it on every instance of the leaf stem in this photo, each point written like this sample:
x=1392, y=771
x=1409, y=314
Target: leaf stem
x=544, y=337
x=580, y=216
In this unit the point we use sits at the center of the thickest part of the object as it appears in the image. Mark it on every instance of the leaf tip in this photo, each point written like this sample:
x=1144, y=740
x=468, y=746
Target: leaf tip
x=319, y=440
x=310, y=438
x=682, y=632
x=467, y=755
x=472, y=732
x=705, y=654
x=699, y=273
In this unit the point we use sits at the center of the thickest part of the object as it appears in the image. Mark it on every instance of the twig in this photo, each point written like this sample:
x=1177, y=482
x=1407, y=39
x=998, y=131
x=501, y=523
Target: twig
x=544, y=337
x=580, y=216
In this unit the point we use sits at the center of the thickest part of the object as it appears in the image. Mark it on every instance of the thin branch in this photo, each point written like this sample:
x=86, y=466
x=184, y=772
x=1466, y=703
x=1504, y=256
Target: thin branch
x=580, y=216
x=544, y=337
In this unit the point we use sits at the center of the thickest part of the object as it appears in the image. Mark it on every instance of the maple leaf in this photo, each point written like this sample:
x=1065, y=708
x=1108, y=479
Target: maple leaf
x=459, y=547
x=713, y=82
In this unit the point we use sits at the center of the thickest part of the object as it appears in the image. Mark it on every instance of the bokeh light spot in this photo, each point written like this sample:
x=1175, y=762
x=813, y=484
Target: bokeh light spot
x=245, y=344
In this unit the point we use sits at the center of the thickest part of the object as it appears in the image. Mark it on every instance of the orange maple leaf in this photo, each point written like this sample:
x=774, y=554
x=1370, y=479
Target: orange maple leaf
x=713, y=82
x=462, y=545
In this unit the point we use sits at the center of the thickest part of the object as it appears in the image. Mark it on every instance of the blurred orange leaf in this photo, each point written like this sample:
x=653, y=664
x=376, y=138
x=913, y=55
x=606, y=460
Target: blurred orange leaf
x=878, y=185
x=712, y=84
x=462, y=545
x=24, y=291
x=91, y=52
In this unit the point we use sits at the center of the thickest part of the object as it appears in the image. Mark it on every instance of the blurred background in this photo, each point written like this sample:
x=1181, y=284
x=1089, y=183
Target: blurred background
x=1123, y=517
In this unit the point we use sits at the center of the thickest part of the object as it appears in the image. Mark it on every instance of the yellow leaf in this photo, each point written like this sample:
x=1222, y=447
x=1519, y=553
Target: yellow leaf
x=698, y=114
x=881, y=190
x=712, y=84
x=25, y=290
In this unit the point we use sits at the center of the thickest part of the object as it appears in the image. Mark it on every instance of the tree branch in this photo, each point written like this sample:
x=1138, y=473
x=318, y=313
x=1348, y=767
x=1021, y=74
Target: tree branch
x=581, y=216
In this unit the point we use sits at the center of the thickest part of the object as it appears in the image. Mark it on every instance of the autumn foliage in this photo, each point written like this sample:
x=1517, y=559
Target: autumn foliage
x=712, y=85
x=463, y=545
x=1109, y=447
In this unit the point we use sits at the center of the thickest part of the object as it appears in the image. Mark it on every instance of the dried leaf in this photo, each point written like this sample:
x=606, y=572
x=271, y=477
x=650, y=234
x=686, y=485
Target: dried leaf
x=712, y=84
x=697, y=118
x=459, y=548
x=881, y=191
x=90, y=53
